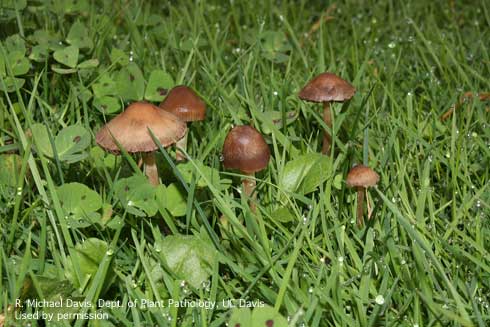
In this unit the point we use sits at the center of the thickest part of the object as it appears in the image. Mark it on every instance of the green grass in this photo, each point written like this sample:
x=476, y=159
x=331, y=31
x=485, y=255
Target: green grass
x=422, y=260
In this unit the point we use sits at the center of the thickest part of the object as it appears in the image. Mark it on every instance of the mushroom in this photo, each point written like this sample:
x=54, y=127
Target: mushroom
x=245, y=149
x=361, y=177
x=327, y=87
x=130, y=130
x=184, y=103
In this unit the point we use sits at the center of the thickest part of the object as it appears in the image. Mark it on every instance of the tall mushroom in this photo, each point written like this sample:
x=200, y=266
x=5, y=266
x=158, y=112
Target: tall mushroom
x=130, y=130
x=326, y=88
x=245, y=149
x=361, y=177
x=188, y=106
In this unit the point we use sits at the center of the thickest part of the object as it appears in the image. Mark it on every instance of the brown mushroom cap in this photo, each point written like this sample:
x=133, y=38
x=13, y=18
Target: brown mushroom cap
x=361, y=175
x=130, y=129
x=327, y=87
x=245, y=149
x=185, y=104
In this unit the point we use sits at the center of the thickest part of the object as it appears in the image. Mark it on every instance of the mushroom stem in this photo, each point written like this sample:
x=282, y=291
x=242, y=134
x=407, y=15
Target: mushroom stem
x=249, y=184
x=151, y=169
x=360, y=205
x=181, y=144
x=327, y=118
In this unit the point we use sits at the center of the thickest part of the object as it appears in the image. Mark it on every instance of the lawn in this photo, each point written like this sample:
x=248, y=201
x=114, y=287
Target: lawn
x=87, y=240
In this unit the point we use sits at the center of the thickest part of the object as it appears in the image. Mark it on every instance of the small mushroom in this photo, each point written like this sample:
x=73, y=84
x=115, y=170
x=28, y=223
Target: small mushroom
x=327, y=87
x=245, y=149
x=361, y=177
x=130, y=130
x=184, y=103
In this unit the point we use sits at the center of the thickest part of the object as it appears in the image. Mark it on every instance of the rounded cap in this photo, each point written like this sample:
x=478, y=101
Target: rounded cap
x=327, y=87
x=130, y=129
x=361, y=175
x=185, y=104
x=245, y=149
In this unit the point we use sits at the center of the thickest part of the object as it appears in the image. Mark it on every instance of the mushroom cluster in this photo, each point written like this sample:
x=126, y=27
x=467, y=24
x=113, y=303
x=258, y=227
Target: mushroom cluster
x=327, y=88
x=130, y=129
x=245, y=149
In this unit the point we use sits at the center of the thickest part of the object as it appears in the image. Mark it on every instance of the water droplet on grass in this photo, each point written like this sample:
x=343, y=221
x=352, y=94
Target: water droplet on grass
x=380, y=299
x=305, y=220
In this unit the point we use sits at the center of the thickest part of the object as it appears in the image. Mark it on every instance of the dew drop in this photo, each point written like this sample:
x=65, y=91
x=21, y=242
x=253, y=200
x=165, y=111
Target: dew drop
x=305, y=220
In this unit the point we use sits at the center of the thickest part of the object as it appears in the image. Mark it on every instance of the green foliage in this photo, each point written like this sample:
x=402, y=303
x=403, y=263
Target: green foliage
x=275, y=46
x=189, y=257
x=136, y=195
x=13, y=63
x=78, y=36
x=67, y=56
x=159, y=83
x=9, y=169
x=175, y=201
x=130, y=83
x=209, y=175
x=260, y=316
x=89, y=255
x=305, y=173
x=80, y=204
x=70, y=143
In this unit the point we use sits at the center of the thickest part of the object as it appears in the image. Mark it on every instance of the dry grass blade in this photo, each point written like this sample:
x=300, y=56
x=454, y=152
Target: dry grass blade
x=467, y=96
x=323, y=18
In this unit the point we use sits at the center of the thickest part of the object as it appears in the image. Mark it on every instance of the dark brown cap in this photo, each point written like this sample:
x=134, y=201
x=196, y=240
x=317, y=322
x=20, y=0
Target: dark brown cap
x=130, y=129
x=327, y=87
x=361, y=175
x=185, y=104
x=245, y=149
